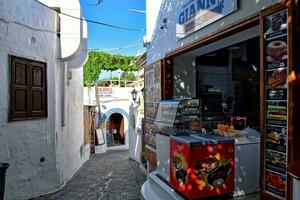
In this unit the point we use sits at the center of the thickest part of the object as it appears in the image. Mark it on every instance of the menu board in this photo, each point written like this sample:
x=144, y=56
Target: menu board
x=152, y=98
x=152, y=89
x=276, y=90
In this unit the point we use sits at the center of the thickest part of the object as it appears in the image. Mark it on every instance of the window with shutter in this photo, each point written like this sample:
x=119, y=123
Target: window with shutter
x=28, y=84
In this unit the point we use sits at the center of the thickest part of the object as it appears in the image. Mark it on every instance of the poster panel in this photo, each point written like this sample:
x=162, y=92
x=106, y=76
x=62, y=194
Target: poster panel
x=275, y=161
x=276, y=90
x=152, y=98
x=275, y=183
x=276, y=138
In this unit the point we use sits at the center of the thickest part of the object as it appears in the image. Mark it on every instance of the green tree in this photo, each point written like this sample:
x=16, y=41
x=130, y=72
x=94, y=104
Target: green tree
x=128, y=76
x=92, y=69
x=99, y=60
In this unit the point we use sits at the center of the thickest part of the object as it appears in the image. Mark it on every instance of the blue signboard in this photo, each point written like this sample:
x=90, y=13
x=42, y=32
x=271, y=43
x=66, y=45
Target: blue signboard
x=193, y=15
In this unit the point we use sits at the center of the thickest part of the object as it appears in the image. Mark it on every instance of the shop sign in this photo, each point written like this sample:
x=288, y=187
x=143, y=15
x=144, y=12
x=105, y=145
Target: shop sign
x=276, y=90
x=193, y=15
x=105, y=91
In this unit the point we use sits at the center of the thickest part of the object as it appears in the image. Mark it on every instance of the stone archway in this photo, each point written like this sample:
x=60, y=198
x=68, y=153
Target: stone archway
x=119, y=137
x=115, y=130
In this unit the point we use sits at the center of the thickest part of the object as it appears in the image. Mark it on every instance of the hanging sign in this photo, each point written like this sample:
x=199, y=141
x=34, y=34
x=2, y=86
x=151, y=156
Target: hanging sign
x=276, y=88
x=193, y=15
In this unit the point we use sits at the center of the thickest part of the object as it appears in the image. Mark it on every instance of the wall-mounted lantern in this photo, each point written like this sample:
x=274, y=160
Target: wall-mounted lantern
x=134, y=94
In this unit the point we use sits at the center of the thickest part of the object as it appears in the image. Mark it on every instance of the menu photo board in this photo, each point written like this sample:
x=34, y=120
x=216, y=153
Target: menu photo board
x=276, y=98
x=152, y=76
x=152, y=89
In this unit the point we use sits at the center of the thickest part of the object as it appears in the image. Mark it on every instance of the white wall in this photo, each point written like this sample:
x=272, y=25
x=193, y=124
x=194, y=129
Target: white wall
x=136, y=114
x=70, y=138
x=164, y=40
x=120, y=98
x=117, y=93
x=23, y=143
x=152, y=10
x=70, y=28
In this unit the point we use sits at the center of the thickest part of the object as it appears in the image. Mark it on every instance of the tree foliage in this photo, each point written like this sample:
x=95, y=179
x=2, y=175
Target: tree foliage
x=128, y=76
x=99, y=60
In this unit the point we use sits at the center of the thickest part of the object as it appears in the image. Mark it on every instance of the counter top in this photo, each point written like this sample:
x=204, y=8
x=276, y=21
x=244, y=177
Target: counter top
x=293, y=169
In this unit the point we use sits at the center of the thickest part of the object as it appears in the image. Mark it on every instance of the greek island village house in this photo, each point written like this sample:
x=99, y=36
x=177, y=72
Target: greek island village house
x=41, y=94
x=236, y=64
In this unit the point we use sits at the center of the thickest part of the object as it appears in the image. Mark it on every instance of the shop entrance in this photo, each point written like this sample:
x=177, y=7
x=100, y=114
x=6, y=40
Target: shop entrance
x=226, y=80
x=225, y=75
x=115, y=133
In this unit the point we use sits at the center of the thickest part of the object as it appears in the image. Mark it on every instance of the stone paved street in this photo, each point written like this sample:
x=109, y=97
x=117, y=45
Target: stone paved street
x=106, y=176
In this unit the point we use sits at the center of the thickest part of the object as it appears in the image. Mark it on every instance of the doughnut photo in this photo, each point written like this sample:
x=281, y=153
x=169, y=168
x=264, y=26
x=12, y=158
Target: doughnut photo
x=276, y=51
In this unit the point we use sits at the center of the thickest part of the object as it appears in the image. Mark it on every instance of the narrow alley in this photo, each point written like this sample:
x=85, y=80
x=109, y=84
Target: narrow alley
x=106, y=176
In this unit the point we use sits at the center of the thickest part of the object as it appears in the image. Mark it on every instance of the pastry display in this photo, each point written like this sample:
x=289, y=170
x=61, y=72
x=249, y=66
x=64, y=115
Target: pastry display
x=196, y=125
x=228, y=131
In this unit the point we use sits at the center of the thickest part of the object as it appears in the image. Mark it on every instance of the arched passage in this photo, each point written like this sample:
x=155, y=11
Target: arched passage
x=115, y=130
x=107, y=118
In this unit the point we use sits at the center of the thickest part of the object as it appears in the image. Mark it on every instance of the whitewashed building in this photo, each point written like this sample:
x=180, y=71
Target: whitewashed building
x=41, y=99
x=118, y=111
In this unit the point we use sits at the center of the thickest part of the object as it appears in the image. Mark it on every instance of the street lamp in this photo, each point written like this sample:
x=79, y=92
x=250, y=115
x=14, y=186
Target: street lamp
x=134, y=94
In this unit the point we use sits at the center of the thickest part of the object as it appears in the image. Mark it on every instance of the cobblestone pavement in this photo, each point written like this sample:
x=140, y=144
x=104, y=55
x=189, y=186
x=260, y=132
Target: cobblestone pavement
x=109, y=176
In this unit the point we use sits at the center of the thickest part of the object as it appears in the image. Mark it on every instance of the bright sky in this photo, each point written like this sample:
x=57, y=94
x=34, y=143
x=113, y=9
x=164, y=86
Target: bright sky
x=115, y=12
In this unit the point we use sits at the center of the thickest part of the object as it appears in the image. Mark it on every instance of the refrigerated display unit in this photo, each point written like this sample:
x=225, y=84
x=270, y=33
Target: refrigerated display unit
x=172, y=116
x=178, y=119
x=202, y=166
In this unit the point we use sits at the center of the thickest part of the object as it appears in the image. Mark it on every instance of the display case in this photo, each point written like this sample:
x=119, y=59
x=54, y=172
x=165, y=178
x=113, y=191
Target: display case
x=178, y=115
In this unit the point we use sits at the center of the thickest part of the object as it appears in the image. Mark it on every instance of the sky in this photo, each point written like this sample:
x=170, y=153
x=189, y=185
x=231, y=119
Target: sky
x=115, y=12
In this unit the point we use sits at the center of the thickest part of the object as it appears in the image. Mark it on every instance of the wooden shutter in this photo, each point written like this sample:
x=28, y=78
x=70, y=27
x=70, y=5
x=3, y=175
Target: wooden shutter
x=19, y=88
x=28, y=97
x=38, y=90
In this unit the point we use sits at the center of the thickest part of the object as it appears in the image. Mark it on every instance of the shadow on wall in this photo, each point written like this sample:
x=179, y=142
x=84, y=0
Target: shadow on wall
x=184, y=77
